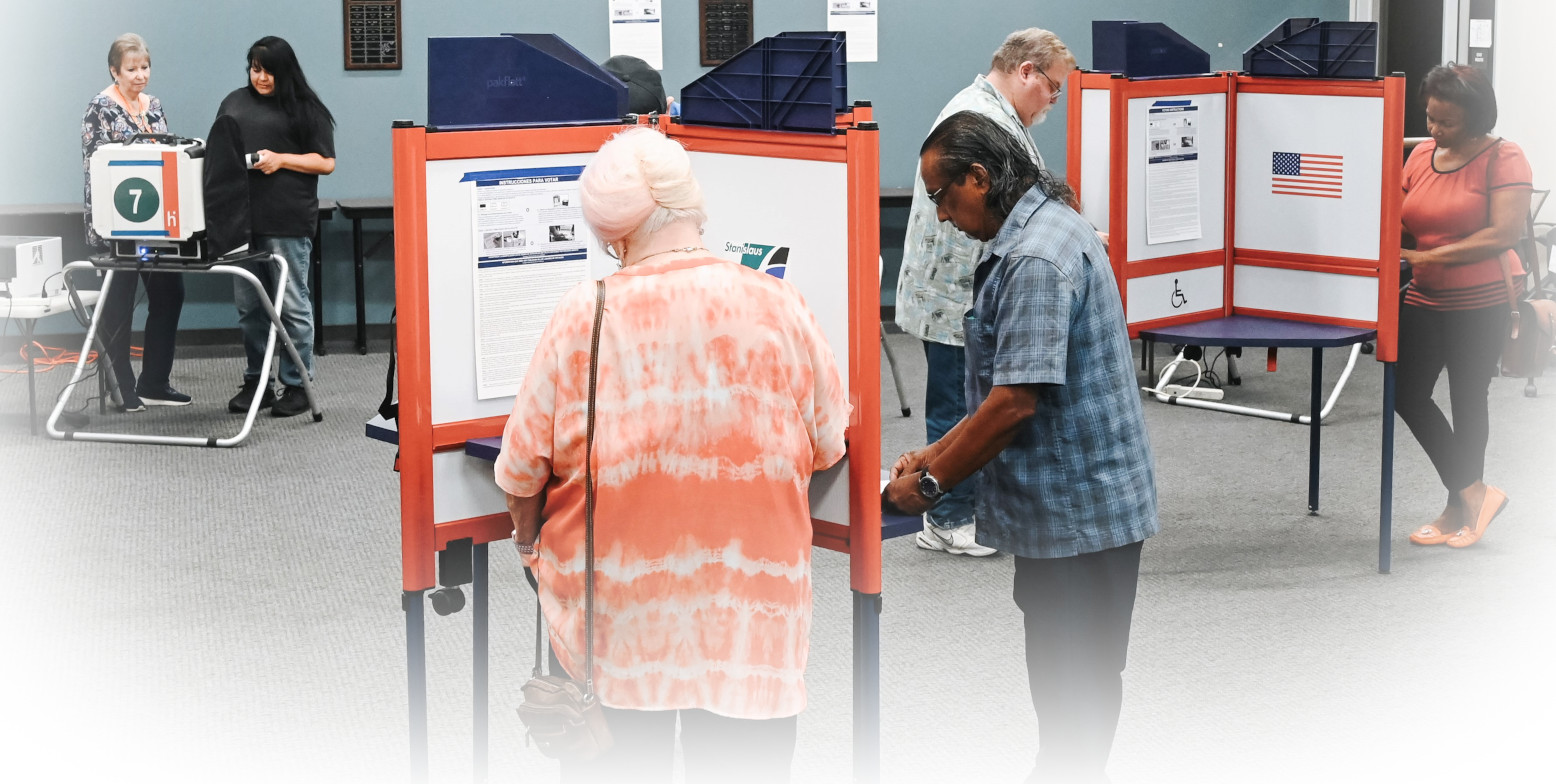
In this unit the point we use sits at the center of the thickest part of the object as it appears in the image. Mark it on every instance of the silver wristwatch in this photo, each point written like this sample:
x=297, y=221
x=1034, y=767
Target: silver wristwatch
x=929, y=486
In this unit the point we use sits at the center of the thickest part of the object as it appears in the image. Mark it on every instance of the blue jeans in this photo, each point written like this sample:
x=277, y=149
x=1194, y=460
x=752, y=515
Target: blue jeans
x=296, y=310
x=945, y=404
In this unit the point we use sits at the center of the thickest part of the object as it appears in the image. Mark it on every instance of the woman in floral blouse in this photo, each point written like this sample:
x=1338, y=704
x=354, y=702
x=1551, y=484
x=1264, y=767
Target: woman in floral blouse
x=116, y=114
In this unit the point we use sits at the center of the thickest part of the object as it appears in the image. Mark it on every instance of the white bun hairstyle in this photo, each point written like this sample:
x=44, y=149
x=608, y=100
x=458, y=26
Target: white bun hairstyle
x=638, y=183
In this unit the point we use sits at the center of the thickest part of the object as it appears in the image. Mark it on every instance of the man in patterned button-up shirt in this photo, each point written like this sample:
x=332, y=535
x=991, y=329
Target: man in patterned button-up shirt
x=934, y=290
x=1054, y=437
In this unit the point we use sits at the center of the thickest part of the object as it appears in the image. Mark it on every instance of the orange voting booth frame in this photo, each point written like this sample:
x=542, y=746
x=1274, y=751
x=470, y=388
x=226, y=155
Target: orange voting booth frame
x=1295, y=234
x=1116, y=207
x=443, y=549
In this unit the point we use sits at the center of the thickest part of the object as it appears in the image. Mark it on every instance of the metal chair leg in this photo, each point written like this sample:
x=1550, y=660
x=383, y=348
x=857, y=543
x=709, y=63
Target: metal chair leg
x=896, y=377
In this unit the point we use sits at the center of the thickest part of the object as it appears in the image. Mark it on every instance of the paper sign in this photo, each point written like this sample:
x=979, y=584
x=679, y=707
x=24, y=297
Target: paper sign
x=530, y=248
x=857, y=18
x=1480, y=33
x=1172, y=172
x=637, y=30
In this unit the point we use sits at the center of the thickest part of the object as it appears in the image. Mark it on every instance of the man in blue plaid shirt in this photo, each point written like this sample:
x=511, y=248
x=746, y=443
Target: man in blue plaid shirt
x=1054, y=439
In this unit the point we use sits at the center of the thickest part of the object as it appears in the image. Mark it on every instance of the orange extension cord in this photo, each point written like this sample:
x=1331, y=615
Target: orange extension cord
x=48, y=357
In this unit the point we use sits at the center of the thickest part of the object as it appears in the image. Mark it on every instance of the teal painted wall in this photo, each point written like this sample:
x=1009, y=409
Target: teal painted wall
x=54, y=61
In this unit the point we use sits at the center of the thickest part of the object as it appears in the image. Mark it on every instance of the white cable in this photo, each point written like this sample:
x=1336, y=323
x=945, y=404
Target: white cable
x=1161, y=382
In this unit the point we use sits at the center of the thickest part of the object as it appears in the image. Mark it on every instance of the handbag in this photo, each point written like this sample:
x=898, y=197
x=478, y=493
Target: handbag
x=1532, y=323
x=563, y=716
x=1531, y=331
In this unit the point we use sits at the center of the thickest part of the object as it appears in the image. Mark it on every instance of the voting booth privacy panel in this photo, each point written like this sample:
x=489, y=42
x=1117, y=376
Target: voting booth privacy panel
x=490, y=237
x=1230, y=194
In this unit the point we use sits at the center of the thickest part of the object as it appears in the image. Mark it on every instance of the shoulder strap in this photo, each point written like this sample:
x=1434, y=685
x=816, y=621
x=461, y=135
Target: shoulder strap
x=594, y=368
x=388, y=408
x=1507, y=271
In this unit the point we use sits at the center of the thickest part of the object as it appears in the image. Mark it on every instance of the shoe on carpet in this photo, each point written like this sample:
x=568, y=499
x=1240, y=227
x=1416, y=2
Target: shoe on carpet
x=240, y=402
x=166, y=396
x=292, y=401
x=956, y=541
x=130, y=404
x=1495, y=502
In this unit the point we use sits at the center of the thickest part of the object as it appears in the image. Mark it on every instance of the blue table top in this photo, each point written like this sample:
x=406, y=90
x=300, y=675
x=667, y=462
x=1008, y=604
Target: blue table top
x=484, y=448
x=1258, y=331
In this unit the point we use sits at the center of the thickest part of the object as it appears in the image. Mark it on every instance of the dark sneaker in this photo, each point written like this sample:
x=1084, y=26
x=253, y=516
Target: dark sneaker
x=293, y=401
x=131, y=404
x=166, y=396
x=240, y=403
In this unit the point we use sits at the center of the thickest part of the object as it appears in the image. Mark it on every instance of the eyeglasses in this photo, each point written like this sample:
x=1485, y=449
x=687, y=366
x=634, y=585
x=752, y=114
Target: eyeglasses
x=939, y=193
x=1054, y=87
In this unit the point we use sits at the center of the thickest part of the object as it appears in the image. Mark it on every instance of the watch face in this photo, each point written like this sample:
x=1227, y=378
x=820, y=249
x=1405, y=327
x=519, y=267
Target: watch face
x=928, y=486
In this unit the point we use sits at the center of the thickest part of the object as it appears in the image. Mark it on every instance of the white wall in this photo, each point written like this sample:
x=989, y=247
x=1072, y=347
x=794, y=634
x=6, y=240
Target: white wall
x=1525, y=66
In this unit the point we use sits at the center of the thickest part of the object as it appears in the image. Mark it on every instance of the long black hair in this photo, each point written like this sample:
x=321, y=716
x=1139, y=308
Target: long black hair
x=298, y=100
x=967, y=137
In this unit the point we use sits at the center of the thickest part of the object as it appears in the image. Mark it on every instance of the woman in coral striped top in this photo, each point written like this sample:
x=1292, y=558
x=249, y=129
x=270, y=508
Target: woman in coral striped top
x=1466, y=203
x=717, y=398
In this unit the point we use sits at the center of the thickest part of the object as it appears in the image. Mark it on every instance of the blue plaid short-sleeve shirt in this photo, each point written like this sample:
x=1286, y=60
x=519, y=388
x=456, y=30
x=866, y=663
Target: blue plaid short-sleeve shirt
x=1079, y=477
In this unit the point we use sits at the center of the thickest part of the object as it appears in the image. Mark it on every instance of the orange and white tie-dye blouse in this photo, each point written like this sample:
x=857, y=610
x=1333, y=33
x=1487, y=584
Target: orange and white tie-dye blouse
x=717, y=398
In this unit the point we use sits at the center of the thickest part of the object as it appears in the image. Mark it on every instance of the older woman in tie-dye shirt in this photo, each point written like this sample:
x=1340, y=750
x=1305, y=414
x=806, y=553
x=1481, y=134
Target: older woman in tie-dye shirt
x=717, y=399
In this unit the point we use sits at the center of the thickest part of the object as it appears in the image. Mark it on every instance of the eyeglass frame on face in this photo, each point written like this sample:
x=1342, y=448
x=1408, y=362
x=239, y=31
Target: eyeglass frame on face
x=1055, y=89
x=940, y=192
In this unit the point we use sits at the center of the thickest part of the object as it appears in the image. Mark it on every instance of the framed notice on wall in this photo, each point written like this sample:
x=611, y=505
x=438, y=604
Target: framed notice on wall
x=724, y=27
x=372, y=35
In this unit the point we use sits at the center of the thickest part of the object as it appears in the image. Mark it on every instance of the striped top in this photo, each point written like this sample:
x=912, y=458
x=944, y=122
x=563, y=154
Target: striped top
x=1441, y=208
x=718, y=396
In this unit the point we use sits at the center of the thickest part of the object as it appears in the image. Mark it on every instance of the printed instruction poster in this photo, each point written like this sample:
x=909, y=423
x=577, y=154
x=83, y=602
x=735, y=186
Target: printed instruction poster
x=637, y=29
x=1172, y=172
x=530, y=248
x=857, y=18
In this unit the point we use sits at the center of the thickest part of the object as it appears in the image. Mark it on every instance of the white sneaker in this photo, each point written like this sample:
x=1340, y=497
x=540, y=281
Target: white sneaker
x=956, y=541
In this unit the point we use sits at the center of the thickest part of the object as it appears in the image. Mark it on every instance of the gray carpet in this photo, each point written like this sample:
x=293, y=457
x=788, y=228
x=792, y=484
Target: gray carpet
x=182, y=614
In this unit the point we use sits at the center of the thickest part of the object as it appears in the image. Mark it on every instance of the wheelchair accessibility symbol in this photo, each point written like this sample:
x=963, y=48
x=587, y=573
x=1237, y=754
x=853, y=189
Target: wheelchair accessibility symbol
x=1178, y=300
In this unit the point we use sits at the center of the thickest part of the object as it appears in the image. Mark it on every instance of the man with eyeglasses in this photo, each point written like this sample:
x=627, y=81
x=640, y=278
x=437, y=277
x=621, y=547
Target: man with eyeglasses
x=1055, y=441
x=934, y=289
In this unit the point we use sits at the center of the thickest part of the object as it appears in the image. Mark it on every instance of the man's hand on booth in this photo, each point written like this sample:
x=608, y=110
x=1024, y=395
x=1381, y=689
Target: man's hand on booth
x=969, y=445
x=914, y=461
x=902, y=496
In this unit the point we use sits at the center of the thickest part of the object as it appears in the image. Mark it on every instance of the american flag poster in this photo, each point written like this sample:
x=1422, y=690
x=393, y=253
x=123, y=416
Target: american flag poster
x=1304, y=174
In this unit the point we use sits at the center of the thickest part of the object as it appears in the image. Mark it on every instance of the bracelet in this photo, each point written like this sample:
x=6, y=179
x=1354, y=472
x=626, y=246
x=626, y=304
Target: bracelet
x=525, y=549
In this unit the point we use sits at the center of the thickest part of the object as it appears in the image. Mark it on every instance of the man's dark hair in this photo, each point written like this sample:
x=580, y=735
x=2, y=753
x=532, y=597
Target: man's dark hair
x=967, y=137
x=1466, y=87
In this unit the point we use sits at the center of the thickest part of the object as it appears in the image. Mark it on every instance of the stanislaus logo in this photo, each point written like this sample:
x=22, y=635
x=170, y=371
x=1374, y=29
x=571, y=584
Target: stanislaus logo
x=771, y=259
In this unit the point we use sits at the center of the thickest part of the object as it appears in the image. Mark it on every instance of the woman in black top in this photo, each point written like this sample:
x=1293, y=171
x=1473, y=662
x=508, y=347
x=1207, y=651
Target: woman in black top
x=116, y=114
x=288, y=127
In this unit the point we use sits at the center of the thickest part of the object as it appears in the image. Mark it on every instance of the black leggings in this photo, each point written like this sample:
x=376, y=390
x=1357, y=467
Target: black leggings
x=1468, y=344
x=164, y=303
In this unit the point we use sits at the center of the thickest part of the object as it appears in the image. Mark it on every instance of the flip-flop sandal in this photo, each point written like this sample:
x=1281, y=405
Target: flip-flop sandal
x=1495, y=502
x=1429, y=534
